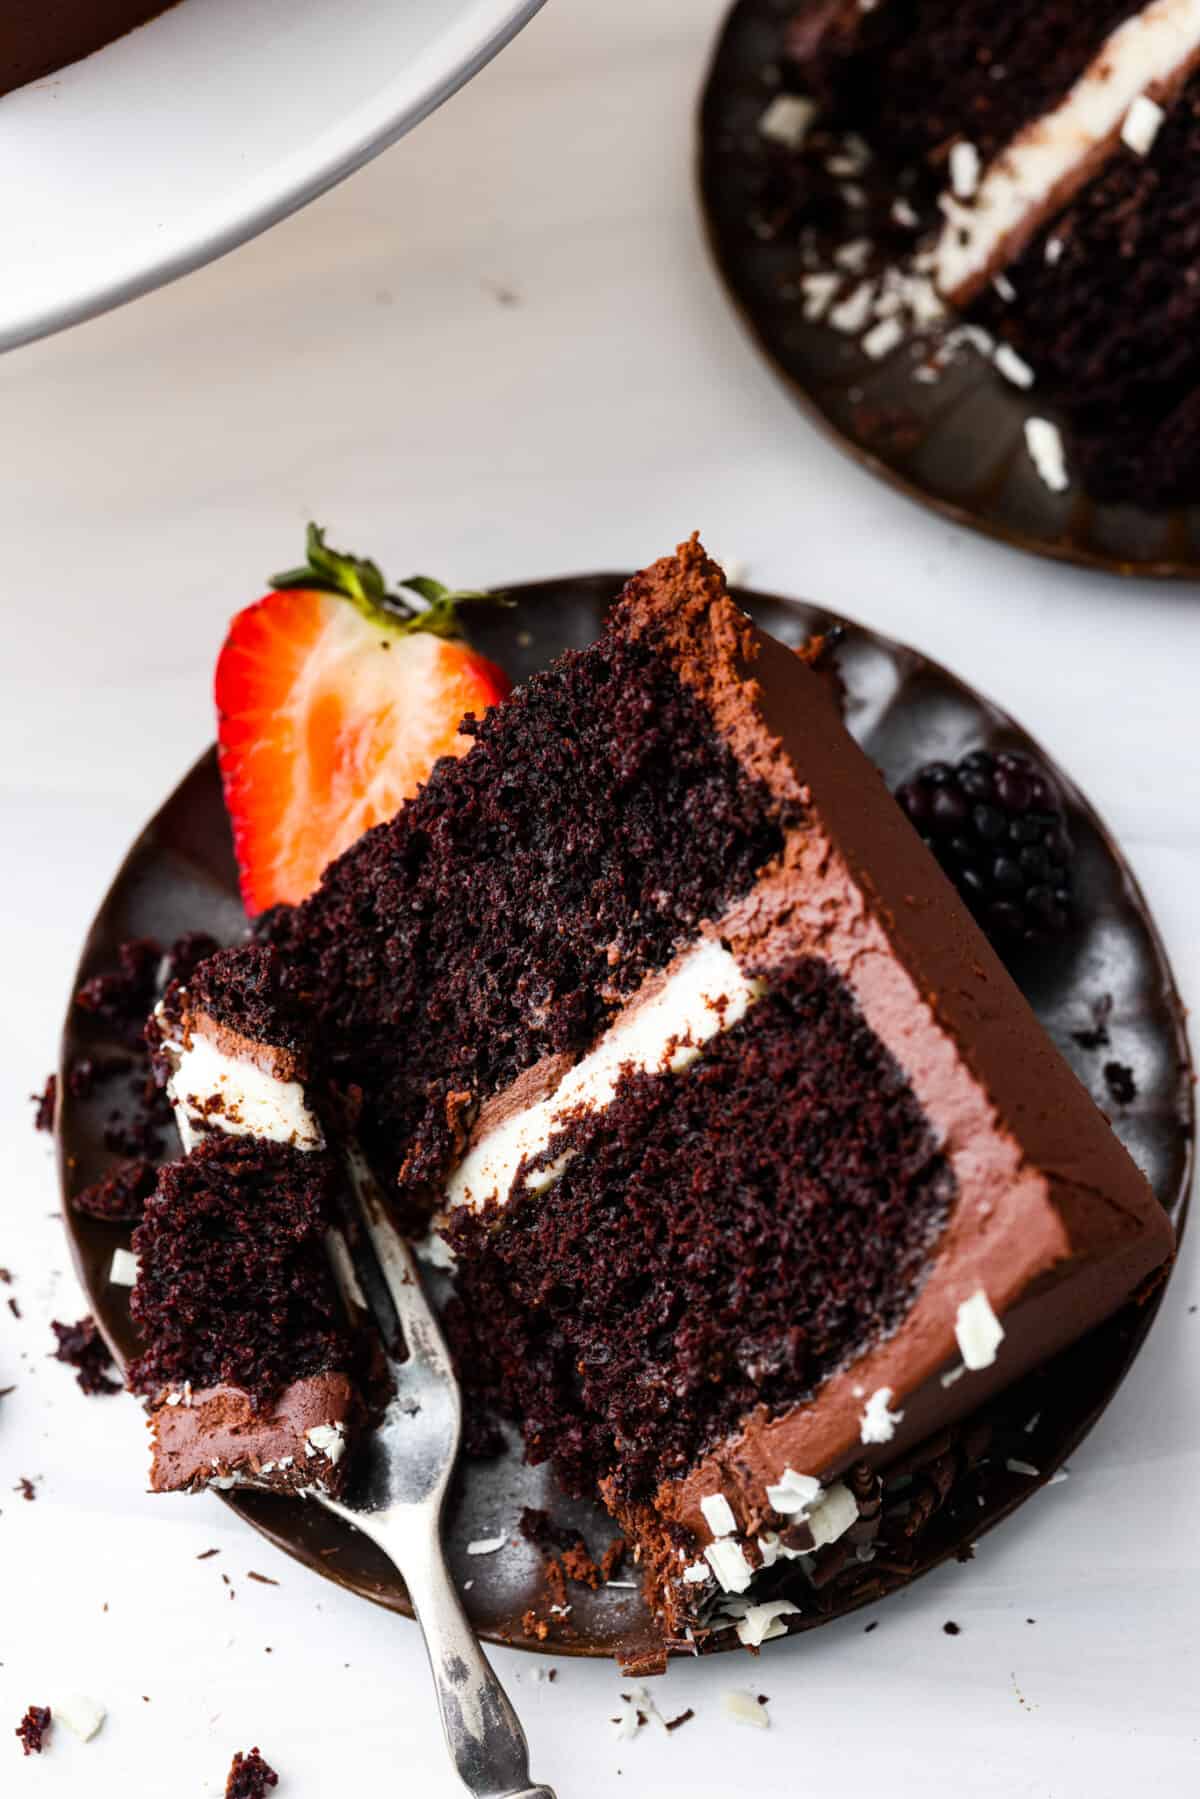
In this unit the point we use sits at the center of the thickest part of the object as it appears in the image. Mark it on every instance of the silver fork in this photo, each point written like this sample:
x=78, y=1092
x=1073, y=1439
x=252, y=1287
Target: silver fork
x=398, y=1498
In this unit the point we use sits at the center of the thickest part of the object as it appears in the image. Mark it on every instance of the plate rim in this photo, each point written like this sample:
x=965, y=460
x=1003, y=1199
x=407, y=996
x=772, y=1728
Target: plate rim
x=393, y=115
x=824, y=618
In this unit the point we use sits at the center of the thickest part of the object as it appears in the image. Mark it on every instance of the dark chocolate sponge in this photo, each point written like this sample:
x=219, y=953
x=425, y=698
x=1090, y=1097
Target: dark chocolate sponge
x=724, y=1238
x=522, y=895
x=234, y=1284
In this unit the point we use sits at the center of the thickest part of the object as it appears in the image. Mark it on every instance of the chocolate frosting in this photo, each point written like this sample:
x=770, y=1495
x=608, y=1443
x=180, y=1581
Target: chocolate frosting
x=215, y=1434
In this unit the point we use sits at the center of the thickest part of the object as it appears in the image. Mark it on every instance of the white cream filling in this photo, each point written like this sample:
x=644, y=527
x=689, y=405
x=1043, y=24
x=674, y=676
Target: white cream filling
x=705, y=994
x=1040, y=162
x=209, y=1088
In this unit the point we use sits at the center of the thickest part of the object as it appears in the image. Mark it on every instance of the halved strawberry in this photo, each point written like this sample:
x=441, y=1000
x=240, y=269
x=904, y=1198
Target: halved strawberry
x=334, y=700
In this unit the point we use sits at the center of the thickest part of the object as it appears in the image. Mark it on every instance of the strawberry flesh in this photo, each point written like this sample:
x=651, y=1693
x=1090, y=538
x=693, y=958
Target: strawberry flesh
x=330, y=717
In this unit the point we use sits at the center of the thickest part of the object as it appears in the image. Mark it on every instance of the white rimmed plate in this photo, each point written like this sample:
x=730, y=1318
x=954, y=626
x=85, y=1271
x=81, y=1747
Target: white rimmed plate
x=203, y=127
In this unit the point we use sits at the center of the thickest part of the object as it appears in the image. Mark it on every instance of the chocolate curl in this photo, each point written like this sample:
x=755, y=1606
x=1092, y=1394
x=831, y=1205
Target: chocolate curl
x=930, y=1492
x=831, y=1562
x=867, y=1489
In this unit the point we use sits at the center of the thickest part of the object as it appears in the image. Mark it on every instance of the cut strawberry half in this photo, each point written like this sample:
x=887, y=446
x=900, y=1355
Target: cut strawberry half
x=334, y=700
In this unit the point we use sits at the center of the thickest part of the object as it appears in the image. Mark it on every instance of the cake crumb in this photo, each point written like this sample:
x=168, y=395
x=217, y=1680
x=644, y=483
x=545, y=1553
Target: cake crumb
x=34, y=1728
x=1097, y=1037
x=951, y=1628
x=25, y=1487
x=43, y=1118
x=1118, y=1078
x=249, y=1777
x=81, y=1347
x=120, y=1196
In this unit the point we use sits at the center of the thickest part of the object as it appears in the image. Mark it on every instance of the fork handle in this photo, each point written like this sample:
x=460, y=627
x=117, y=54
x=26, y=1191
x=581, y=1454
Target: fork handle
x=483, y=1732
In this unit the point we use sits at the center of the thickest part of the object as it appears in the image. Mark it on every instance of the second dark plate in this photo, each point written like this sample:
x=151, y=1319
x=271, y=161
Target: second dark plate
x=179, y=875
x=956, y=445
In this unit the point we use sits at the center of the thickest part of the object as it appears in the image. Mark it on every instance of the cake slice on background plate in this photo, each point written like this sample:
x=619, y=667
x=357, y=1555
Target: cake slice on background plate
x=1043, y=167
x=757, y=1167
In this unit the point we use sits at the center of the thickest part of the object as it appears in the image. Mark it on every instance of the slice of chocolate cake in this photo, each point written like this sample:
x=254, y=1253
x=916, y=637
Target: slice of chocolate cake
x=756, y=1163
x=1045, y=155
x=244, y=1292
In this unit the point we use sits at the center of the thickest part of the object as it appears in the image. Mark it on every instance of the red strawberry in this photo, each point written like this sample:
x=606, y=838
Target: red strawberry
x=334, y=700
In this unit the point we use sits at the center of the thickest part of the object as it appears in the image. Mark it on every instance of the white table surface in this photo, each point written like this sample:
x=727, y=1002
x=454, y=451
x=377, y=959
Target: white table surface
x=364, y=364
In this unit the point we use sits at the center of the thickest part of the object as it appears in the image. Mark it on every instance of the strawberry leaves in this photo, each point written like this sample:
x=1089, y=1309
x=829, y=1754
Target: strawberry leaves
x=421, y=604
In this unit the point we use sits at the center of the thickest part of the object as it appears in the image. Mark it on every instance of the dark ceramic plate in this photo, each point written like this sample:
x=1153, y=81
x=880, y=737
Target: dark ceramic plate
x=957, y=445
x=179, y=876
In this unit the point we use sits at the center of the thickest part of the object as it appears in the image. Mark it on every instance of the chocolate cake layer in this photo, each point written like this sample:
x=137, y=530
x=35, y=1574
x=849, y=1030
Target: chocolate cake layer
x=39, y=36
x=510, y=908
x=721, y=1237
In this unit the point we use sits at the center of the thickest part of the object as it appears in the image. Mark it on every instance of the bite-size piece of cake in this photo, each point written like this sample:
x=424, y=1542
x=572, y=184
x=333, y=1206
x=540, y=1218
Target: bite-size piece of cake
x=244, y=1293
x=247, y=1364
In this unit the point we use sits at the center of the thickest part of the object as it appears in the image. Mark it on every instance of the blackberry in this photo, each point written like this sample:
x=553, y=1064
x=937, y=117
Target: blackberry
x=995, y=824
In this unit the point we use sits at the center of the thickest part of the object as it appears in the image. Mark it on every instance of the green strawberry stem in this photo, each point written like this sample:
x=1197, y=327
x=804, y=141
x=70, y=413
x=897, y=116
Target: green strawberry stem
x=362, y=582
